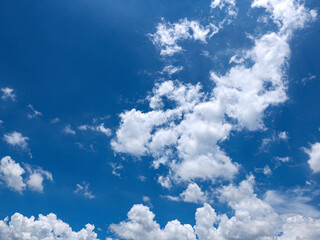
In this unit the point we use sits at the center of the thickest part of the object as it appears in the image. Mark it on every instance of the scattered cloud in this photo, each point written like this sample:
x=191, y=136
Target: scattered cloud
x=274, y=138
x=170, y=70
x=83, y=189
x=100, y=128
x=115, y=168
x=147, y=201
x=307, y=79
x=8, y=94
x=69, y=130
x=169, y=34
x=34, y=113
x=55, y=120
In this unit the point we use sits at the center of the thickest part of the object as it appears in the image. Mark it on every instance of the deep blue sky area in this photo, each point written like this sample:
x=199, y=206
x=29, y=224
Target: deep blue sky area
x=83, y=60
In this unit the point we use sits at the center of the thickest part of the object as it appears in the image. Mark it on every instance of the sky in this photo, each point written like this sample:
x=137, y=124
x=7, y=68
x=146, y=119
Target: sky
x=164, y=120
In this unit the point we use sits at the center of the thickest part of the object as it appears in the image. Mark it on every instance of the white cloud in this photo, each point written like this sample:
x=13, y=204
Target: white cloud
x=314, y=157
x=34, y=113
x=300, y=228
x=288, y=14
x=193, y=194
x=84, y=190
x=141, y=226
x=230, y=9
x=45, y=227
x=100, y=128
x=115, y=168
x=11, y=173
x=69, y=130
x=282, y=159
x=307, y=79
x=274, y=138
x=283, y=136
x=169, y=34
x=165, y=182
x=8, y=94
x=170, y=70
x=36, y=178
x=16, y=139
x=55, y=120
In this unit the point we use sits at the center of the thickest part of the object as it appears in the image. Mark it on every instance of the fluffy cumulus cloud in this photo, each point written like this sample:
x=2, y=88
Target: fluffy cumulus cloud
x=45, y=227
x=18, y=178
x=141, y=225
x=183, y=132
x=314, y=157
x=192, y=194
x=16, y=139
x=253, y=219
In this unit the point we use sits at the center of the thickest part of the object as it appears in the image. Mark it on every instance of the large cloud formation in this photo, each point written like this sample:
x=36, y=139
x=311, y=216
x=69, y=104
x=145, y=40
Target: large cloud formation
x=186, y=137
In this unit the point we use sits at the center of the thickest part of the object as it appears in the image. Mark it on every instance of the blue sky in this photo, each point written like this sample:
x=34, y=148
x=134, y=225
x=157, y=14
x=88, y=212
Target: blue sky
x=160, y=119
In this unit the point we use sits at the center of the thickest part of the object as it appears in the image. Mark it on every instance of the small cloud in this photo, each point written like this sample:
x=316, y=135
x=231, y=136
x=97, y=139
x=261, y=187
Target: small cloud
x=283, y=136
x=84, y=190
x=193, y=194
x=307, y=79
x=36, y=177
x=165, y=182
x=55, y=120
x=282, y=159
x=16, y=139
x=142, y=178
x=34, y=113
x=266, y=142
x=115, y=167
x=8, y=94
x=100, y=128
x=266, y=170
x=147, y=201
x=170, y=70
x=69, y=130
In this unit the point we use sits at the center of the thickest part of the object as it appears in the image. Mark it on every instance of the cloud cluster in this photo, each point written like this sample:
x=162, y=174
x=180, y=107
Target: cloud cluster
x=12, y=175
x=253, y=219
x=99, y=128
x=185, y=125
x=45, y=227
